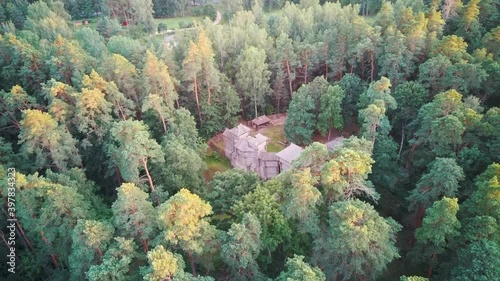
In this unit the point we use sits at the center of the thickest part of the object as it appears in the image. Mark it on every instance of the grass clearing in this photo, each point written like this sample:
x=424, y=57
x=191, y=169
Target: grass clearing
x=174, y=23
x=276, y=135
x=215, y=163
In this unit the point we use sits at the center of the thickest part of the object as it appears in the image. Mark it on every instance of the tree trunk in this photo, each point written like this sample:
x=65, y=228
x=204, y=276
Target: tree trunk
x=306, y=70
x=145, y=246
x=410, y=155
x=429, y=274
x=118, y=177
x=209, y=92
x=372, y=62
x=163, y=123
x=420, y=217
x=193, y=265
x=52, y=256
x=196, y=97
x=99, y=252
x=288, y=72
x=402, y=140
x=255, y=105
x=121, y=111
x=19, y=228
x=145, y=165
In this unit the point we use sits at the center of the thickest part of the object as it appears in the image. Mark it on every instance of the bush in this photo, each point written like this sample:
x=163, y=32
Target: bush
x=162, y=27
x=209, y=11
x=183, y=24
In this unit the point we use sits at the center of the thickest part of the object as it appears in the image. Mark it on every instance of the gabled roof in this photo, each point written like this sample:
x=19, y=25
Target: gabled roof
x=244, y=146
x=331, y=145
x=228, y=133
x=240, y=130
x=261, y=120
x=261, y=138
x=290, y=153
x=268, y=156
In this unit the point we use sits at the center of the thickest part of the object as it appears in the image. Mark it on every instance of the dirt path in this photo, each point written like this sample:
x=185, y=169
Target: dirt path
x=217, y=18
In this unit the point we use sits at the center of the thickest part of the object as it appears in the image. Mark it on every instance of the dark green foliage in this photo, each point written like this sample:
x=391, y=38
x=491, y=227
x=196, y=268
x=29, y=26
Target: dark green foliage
x=297, y=269
x=92, y=115
x=301, y=119
x=358, y=242
x=229, y=187
x=478, y=261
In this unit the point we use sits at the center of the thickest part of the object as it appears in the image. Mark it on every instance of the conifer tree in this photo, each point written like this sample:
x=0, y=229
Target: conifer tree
x=359, y=242
x=345, y=175
x=116, y=262
x=297, y=269
x=157, y=80
x=183, y=216
x=134, y=215
x=440, y=225
x=242, y=246
x=130, y=149
x=122, y=107
x=90, y=240
x=42, y=135
x=93, y=112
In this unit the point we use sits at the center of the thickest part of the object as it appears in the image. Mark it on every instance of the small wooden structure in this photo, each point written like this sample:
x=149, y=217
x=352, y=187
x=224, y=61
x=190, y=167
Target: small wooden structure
x=260, y=121
x=287, y=155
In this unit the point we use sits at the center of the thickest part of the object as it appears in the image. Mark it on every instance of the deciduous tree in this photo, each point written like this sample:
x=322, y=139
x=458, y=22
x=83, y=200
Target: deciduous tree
x=253, y=76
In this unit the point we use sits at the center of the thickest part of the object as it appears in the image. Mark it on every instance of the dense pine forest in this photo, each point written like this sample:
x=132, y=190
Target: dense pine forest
x=109, y=109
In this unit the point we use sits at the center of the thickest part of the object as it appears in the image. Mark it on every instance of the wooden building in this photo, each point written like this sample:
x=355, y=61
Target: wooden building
x=250, y=153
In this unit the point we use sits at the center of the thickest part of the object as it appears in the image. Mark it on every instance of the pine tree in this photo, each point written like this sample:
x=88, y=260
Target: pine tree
x=183, y=218
x=359, y=243
x=242, y=246
x=301, y=201
x=93, y=112
x=345, y=175
x=134, y=215
x=90, y=240
x=191, y=68
x=40, y=134
x=116, y=262
x=157, y=80
x=439, y=226
x=122, y=107
x=297, y=269
x=373, y=118
x=442, y=180
x=131, y=148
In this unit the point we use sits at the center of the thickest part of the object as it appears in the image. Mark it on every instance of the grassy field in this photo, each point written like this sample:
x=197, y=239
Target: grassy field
x=276, y=134
x=215, y=163
x=173, y=23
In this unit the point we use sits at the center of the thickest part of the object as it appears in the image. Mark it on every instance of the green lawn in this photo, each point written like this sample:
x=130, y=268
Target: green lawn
x=173, y=23
x=276, y=134
x=215, y=163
